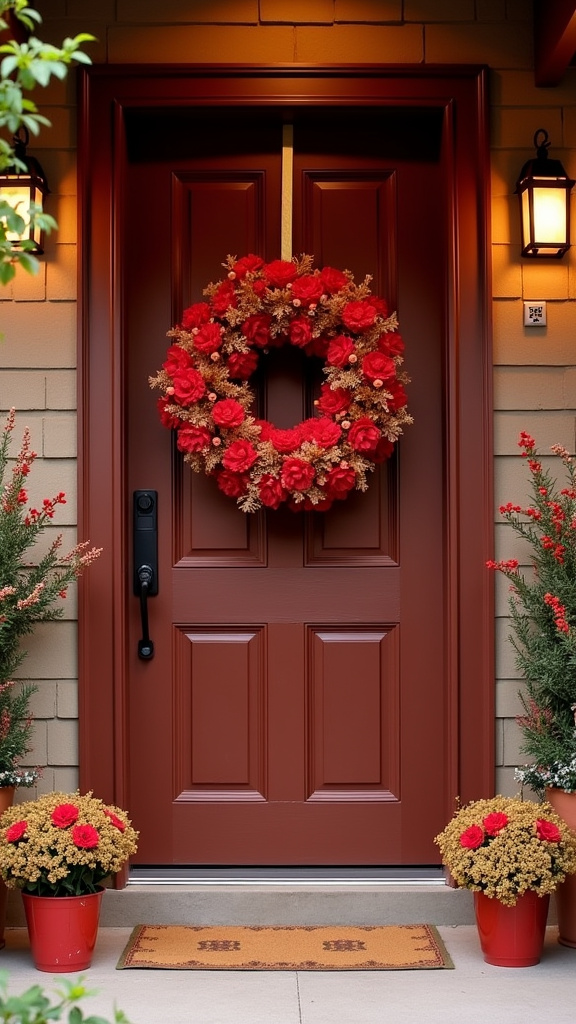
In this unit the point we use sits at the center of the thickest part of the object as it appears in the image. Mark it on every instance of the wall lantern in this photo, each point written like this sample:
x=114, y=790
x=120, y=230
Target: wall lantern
x=544, y=191
x=20, y=185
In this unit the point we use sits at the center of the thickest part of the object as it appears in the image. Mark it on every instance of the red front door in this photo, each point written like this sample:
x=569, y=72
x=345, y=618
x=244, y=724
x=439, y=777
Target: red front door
x=315, y=676
x=297, y=688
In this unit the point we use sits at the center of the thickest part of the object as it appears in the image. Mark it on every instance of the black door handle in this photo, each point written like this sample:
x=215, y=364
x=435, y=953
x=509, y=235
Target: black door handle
x=145, y=521
x=145, y=645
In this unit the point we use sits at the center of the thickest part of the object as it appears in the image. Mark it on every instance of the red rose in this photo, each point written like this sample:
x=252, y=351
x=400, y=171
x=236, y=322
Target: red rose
x=224, y=297
x=15, y=832
x=321, y=506
x=323, y=431
x=548, y=831
x=167, y=419
x=377, y=366
x=259, y=287
x=189, y=386
x=391, y=343
x=495, y=822
x=85, y=836
x=339, y=350
x=284, y=440
x=208, y=339
x=256, y=329
x=116, y=821
x=340, y=481
x=64, y=815
x=333, y=280
x=364, y=435
x=242, y=365
x=297, y=475
x=279, y=273
x=271, y=492
x=308, y=289
x=195, y=316
x=176, y=359
x=380, y=305
x=232, y=484
x=247, y=264
x=228, y=413
x=239, y=456
x=357, y=316
x=300, y=331
x=472, y=837
x=192, y=439
x=398, y=393
x=333, y=400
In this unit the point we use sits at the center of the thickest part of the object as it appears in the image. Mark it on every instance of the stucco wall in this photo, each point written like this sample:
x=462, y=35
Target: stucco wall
x=534, y=369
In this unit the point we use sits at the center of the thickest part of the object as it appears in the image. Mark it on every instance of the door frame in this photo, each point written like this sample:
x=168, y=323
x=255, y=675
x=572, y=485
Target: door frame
x=107, y=92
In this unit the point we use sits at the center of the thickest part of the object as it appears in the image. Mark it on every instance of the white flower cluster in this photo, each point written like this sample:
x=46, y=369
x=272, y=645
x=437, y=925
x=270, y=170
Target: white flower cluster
x=559, y=776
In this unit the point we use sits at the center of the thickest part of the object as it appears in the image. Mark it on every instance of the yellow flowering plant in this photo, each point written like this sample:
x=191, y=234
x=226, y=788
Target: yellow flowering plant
x=63, y=844
x=505, y=846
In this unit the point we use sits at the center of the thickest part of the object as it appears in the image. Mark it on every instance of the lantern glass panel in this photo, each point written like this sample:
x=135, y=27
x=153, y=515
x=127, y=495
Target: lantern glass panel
x=550, y=215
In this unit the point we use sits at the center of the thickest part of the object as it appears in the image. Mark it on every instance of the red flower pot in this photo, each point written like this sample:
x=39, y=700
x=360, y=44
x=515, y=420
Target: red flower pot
x=512, y=936
x=62, y=930
x=565, y=805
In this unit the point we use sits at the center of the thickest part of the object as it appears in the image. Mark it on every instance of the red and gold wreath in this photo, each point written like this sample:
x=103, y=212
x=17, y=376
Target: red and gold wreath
x=207, y=398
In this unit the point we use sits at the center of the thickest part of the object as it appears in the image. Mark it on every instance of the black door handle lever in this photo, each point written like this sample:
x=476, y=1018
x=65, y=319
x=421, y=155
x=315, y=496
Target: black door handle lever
x=145, y=646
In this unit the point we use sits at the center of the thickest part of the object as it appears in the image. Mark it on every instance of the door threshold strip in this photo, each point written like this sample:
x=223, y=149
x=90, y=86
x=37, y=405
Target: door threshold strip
x=290, y=877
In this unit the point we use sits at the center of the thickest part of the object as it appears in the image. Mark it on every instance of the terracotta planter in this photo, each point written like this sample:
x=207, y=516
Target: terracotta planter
x=512, y=936
x=565, y=806
x=6, y=801
x=62, y=930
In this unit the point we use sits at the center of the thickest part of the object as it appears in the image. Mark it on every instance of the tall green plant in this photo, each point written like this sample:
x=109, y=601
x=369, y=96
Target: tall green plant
x=543, y=613
x=23, y=66
x=29, y=592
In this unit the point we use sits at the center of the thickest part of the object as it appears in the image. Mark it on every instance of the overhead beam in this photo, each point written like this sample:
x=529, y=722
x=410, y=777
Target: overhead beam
x=554, y=39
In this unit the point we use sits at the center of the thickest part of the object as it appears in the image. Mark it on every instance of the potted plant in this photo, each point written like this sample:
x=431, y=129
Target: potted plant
x=543, y=613
x=512, y=854
x=33, y=584
x=57, y=850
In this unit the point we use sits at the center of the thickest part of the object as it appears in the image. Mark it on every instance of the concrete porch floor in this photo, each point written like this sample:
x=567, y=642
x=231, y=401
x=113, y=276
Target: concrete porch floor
x=473, y=992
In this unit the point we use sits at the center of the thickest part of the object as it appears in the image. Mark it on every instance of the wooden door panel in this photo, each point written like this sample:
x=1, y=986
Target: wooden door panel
x=221, y=714
x=354, y=702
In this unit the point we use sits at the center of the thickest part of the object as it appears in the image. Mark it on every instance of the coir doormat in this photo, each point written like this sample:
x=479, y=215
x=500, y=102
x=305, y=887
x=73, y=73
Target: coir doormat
x=185, y=948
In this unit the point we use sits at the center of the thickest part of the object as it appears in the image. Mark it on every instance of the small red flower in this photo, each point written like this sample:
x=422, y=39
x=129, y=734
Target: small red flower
x=177, y=358
x=333, y=400
x=228, y=413
x=391, y=344
x=271, y=492
x=16, y=831
x=340, y=481
x=357, y=316
x=241, y=365
x=548, y=831
x=189, y=386
x=195, y=316
x=297, y=475
x=239, y=456
x=377, y=366
x=279, y=273
x=307, y=289
x=364, y=435
x=208, y=339
x=472, y=837
x=256, y=329
x=233, y=485
x=166, y=418
x=284, y=441
x=322, y=431
x=333, y=280
x=247, y=264
x=495, y=822
x=86, y=837
x=339, y=350
x=192, y=439
x=64, y=815
x=300, y=332
x=120, y=825
x=224, y=297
